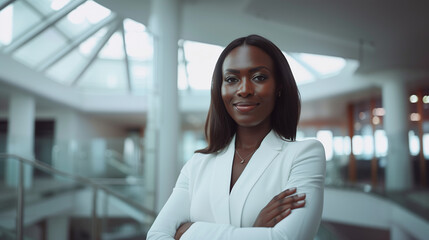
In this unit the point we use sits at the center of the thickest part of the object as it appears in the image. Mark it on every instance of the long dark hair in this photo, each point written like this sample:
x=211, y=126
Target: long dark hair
x=220, y=127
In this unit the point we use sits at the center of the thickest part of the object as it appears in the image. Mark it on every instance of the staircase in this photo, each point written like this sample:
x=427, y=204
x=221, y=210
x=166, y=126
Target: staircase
x=102, y=208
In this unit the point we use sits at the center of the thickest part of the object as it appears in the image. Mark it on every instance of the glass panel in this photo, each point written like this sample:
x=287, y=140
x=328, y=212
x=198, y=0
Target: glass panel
x=53, y=195
x=141, y=73
x=358, y=145
x=83, y=17
x=139, y=48
x=65, y=70
x=68, y=67
x=199, y=75
x=326, y=137
x=42, y=46
x=338, y=142
x=16, y=19
x=120, y=221
x=138, y=42
x=114, y=48
x=104, y=76
x=325, y=65
x=88, y=45
x=201, y=59
x=426, y=145
x=347, y=145
x=380, y=143
x=47, y=7
x=414, y=142
x=299, y=72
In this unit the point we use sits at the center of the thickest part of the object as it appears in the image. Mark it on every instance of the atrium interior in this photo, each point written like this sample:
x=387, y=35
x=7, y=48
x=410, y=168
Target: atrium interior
x=92, y=92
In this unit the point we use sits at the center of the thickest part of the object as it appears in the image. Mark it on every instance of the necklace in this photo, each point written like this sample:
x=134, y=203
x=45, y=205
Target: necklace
x=244, y=159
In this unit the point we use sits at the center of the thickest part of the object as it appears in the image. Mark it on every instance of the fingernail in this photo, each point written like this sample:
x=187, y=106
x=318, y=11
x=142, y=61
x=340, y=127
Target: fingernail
x=301, y=202
x=287, y=211
x=300, y=195
x=291, y=189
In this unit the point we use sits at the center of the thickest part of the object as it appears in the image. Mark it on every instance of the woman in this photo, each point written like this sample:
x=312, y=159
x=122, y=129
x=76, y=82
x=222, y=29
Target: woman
x=242, y=185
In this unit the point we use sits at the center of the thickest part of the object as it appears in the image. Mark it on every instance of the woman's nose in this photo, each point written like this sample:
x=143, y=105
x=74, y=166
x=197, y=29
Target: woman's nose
x=245, y=88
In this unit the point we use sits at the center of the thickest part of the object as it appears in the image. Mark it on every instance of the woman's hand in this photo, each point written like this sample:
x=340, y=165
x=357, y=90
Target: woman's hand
x=279, y=208
x=181, y=230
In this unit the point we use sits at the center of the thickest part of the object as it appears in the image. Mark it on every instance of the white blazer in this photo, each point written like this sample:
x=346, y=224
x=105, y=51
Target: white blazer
x=202, y=195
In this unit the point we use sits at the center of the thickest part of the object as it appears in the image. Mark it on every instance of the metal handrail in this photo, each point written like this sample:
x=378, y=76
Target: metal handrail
x=82, y=180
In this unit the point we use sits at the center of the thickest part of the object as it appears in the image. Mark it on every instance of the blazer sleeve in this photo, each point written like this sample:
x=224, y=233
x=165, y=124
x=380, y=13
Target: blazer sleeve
x=176, y=210
x=308, y=176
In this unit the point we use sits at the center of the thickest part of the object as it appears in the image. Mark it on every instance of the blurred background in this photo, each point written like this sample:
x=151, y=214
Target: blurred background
x=102, y=102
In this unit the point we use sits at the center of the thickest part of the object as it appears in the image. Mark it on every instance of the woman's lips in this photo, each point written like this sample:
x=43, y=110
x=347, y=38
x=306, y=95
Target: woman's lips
x=245, y=107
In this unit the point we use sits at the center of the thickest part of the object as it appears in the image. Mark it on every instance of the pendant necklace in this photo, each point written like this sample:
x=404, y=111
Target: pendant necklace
x=243, y=160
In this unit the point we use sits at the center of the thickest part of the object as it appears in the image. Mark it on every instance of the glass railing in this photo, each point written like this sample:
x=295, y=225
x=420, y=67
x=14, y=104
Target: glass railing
x=6, y=234
x=99, y=158
x=70, y=207
x=338, y=175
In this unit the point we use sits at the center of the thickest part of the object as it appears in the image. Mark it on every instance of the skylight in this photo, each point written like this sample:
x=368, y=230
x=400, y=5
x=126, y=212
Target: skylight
x=302, y=75
x=197, y=64
x=81, y=44
x=324, y=65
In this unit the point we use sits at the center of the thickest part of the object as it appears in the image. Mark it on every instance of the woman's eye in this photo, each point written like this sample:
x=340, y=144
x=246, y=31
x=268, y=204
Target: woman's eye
x=230, y=79
x=259, y=78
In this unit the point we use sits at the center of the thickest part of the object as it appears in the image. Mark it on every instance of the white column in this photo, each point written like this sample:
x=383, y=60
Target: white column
x=164, y=24
x=57, y=227
x=398, y=169
x=97, y=159
x=67, y=128
x=20, y=140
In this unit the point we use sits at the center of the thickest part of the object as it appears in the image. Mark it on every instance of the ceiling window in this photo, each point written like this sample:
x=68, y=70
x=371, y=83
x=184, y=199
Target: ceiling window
x=78, y=43
x=81, y=44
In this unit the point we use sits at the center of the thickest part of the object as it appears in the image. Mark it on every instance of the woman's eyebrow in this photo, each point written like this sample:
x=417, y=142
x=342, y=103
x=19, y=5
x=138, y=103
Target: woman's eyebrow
x=255, y=69
x=232, y=71
x=252, y=70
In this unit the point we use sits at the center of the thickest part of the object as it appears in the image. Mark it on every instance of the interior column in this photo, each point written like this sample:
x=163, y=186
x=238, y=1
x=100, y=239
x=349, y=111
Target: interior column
x=164, y=24
x=395, y=103
x=20, y=137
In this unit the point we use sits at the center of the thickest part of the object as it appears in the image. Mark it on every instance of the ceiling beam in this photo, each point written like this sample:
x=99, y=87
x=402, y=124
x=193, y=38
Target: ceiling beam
x=5, y=4
x=75, y=43
x=40, y=27
x=30, y=5
x=115, y=26
x=126, y=58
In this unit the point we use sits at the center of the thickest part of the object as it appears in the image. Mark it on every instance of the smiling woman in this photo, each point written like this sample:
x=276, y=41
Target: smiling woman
x=244, y=184
x=248, y=87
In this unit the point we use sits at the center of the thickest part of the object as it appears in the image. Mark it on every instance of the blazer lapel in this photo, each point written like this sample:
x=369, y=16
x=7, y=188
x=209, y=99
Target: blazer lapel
x=261, y=159
x=220, y=184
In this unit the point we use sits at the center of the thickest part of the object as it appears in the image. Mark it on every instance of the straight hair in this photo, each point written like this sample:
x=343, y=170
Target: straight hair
x=220, y=128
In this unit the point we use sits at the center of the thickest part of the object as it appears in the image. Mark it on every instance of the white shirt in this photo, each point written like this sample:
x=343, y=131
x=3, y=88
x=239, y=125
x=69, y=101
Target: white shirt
x=202, y=195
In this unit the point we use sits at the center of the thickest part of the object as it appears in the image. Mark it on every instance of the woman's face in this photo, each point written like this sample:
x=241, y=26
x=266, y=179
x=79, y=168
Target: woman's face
x=248, y=86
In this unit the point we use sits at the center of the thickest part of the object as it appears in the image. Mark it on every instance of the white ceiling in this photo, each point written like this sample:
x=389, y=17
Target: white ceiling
x=394, y=33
